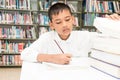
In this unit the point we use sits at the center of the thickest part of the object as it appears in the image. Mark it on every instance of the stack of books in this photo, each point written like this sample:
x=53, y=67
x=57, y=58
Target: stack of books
x=105, y=55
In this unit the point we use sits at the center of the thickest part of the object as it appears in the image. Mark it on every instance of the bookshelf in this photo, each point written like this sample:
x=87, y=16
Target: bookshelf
x=98, y=8
x=17, y=31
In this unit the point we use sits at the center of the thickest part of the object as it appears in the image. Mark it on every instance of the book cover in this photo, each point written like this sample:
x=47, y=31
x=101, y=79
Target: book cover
x=107, y=44
x=20, y=47
x=105, y=56
x=107, y=68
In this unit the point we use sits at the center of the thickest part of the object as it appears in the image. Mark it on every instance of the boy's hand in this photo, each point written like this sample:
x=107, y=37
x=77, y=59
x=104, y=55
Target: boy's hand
x=55, y=58
x=113, y=16
x=61, y=58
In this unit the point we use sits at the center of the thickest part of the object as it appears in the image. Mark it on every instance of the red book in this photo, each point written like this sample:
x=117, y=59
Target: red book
x=20, y=47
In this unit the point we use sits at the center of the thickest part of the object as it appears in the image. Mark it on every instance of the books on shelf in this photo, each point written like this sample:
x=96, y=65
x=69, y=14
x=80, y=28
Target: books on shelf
x=42, y=19
x=102, y=6
x=10, y=60
x=15, y=18
x=8, y=47
x=33, y=4
x=15, y=25
x=15, y=4
x=76, y=21
x=73, y=5
x=44, y=5
x=89, y=19
x=18, y=32
x=2, y=3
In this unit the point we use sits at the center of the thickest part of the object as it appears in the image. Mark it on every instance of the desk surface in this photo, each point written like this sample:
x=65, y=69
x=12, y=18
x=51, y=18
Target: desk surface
x=35, y=71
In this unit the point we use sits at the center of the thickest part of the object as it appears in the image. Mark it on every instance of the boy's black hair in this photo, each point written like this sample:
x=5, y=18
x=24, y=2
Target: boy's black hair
x=56, y=8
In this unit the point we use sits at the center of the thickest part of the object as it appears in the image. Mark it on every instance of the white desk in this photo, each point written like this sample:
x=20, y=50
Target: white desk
x=33, y=71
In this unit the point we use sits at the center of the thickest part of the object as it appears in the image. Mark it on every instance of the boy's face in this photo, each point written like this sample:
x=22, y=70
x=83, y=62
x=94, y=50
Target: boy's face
x=62, y=23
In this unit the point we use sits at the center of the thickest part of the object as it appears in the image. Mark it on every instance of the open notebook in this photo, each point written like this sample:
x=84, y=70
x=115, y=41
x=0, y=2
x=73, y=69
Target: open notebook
x=108, y=26
x=75, y=63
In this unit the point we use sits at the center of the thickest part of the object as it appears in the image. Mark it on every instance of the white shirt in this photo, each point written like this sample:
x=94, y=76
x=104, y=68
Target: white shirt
x=78, y=44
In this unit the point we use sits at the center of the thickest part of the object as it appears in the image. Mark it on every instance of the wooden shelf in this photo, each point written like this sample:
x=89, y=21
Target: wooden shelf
x=10, y=66
x=16, y=24
x=21, y=10
x=9, y=53
x=24, y=39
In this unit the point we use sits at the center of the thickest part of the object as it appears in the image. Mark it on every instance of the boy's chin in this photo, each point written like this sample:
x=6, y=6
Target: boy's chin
x=66, y=33
x=65, y=36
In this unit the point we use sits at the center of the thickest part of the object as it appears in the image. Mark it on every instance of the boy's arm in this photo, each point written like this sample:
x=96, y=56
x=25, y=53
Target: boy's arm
x=32, y=54
x=54, y=58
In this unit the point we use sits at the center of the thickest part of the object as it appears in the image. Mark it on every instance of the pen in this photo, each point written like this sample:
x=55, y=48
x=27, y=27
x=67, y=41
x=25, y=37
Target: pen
x=59, y=46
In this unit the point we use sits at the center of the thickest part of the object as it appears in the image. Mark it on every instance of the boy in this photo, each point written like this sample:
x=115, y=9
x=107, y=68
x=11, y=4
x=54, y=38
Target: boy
x=59, y=45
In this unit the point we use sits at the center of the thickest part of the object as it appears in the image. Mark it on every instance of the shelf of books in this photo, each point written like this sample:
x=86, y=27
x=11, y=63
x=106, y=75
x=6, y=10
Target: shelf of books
x=93, y=8
x=16, y=31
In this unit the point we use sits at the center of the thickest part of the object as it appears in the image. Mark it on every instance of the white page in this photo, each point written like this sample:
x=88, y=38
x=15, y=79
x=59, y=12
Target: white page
x=75, y=63
x=108, y=26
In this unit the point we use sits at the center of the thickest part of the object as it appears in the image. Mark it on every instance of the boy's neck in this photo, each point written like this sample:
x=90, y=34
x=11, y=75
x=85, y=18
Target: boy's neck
x=64, y=37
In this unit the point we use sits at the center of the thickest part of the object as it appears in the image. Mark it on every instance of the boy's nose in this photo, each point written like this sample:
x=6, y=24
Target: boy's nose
x=64, y=23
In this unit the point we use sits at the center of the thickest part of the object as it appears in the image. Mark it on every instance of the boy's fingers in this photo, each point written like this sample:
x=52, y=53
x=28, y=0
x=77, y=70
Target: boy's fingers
x=69, y=55
x=113, y=16
x=107, y=16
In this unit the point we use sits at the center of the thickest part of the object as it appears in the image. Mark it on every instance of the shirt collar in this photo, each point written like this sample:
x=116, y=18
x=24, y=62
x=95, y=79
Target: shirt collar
x=58, y=39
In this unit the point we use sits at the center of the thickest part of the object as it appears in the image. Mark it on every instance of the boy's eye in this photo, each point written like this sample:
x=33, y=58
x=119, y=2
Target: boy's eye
x=58, y=22
x=67, y=20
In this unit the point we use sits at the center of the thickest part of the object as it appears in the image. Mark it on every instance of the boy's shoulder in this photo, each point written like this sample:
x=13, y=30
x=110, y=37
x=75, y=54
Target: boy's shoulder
x=85, y=33
x=51, y=34
x=47, y=34
x=80, y=32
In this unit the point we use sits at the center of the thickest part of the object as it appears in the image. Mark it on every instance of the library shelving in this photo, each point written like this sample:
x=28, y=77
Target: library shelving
x=98, y=8
x=17, y=31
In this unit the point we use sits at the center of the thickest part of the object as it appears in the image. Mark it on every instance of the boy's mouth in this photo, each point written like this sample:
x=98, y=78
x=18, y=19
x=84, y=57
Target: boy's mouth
x=66, y=30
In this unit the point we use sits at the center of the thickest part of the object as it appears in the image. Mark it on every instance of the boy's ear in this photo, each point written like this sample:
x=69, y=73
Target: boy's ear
x=51, y=25
x=73, y=22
